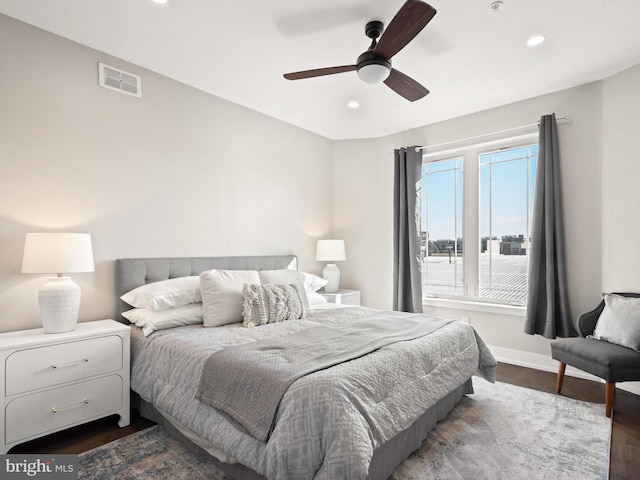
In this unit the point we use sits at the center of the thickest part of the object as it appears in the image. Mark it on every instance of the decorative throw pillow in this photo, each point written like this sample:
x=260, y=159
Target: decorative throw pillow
x=150, y=321
x=619, y=322
x=285, y=277
x=165, y=294
x=222, y=296
x=271, y=303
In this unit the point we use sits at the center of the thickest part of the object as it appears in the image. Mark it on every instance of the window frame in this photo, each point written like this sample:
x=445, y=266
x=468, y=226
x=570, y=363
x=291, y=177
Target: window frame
x=470, y=300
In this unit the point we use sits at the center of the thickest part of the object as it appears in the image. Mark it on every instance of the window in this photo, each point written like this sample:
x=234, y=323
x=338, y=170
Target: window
x=476, y=209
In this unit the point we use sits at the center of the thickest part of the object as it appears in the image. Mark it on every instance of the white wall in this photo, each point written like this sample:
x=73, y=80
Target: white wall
x=176, y=173
x=620, y=186
x=363, y=197
x=363, y=216
x=621, y=182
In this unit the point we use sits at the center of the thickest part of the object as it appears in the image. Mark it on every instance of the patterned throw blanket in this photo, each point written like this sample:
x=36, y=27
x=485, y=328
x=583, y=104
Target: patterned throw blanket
x=248, y=381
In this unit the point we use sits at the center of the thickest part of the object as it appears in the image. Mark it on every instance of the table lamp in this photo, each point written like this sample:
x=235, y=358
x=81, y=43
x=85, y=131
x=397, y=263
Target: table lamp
x=331, y=251
x=58, y=253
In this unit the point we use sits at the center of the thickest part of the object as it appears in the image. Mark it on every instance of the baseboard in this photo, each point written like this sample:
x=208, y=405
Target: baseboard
x=548, y=364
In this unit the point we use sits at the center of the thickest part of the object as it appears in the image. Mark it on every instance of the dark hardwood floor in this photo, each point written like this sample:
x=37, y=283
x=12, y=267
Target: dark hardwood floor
x=625, y=435
x=84, y=437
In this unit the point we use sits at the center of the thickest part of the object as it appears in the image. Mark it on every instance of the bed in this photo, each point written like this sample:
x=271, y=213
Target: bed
x=355, y=419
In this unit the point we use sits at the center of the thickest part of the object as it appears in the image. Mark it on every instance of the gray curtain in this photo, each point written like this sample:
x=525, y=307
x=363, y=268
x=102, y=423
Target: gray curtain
x=548, y=311
x=407, y=286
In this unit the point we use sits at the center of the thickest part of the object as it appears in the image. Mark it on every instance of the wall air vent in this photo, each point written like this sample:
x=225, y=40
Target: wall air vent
x=119, y=80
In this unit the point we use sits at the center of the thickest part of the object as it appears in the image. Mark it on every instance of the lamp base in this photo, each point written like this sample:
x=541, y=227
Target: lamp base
x=331, y=273
x=59, y=305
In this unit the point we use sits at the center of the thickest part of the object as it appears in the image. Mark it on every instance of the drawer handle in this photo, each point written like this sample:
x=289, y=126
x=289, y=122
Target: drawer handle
x=84, y=402
x=55, y=365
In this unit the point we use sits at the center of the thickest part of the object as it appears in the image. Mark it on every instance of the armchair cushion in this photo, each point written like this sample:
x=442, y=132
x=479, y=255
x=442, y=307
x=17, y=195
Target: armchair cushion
x=609, y=361
x=619, y=321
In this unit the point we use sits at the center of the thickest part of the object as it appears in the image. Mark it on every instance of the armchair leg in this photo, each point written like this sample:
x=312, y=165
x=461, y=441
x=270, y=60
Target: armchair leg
x=610, y=395
x=561, y=369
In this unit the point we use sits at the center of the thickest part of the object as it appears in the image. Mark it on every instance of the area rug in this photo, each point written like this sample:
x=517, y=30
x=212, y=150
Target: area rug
x=500, y=432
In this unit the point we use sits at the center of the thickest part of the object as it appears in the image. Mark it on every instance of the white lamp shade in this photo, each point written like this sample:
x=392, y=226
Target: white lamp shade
x=330, y=251
x=57, y=253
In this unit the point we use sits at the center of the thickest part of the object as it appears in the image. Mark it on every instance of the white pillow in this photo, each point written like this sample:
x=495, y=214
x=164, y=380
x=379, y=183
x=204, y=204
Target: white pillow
x=619, y=322
x=222, y=295
x=315, y=298
x=286, y=277
x=165, y=294
x=151, y=321
x=313, y=282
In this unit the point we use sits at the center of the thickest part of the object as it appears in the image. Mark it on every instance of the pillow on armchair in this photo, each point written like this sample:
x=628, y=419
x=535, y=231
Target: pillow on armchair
x=619, y=322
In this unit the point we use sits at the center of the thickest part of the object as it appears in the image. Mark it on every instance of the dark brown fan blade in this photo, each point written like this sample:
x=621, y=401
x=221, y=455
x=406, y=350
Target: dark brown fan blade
x=408, y=22
x=319, y=72
x=405, y=86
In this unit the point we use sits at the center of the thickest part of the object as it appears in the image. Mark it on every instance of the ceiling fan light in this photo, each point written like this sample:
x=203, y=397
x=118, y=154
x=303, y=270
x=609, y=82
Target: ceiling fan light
x=373, y=73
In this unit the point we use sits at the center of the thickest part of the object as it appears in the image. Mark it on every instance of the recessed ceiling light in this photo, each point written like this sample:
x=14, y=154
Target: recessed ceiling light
x=535, y=40
x=353, y=104
x=161, y=2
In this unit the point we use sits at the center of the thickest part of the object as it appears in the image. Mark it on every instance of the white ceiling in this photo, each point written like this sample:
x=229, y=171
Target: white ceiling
x=469, y=57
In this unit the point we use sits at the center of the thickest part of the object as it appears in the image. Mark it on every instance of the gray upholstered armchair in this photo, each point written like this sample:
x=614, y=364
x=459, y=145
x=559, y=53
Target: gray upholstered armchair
x=608, y=361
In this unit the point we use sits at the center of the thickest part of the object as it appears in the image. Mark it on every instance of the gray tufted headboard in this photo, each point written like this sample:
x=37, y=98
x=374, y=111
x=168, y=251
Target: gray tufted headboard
x=135, y=272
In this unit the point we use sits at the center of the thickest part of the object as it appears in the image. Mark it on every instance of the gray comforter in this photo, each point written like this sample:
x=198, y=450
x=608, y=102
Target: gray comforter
x=267, y=369
x=329, y=422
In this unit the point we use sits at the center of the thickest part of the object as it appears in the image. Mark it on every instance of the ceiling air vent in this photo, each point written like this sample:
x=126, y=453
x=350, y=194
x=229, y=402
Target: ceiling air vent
x=119, y=80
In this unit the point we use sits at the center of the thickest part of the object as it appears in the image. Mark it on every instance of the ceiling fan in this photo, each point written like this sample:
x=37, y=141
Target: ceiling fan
x=374, y=65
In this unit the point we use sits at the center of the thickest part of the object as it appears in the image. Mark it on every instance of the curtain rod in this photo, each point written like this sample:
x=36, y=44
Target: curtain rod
x=537, y=124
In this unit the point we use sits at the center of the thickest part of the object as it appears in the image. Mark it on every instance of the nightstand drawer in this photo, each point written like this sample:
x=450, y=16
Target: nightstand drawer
x=54, y=409
x=42, y=367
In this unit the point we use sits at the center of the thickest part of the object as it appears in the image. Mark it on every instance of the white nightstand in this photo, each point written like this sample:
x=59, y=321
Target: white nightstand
x=342, y=296
x=52, y=381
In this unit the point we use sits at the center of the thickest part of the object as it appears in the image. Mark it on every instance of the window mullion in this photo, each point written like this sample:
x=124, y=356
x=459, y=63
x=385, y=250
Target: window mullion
x=471, y=224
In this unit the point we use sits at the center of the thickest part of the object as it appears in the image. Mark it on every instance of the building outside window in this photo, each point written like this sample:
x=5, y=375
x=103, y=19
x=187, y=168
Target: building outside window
x=476, y=210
